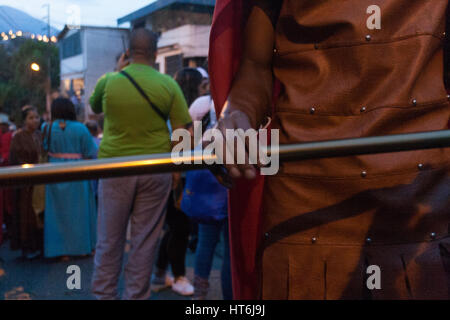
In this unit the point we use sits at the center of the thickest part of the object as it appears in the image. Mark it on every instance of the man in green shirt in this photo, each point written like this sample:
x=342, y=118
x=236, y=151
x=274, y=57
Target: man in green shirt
x=131, y=126
x=134, y=127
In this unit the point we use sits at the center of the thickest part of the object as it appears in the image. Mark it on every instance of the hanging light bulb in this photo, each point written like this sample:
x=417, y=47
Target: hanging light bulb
x=19, y=33
x=54, y=40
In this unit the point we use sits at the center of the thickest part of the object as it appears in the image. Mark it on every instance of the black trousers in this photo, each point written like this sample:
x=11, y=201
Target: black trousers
x=175, y=241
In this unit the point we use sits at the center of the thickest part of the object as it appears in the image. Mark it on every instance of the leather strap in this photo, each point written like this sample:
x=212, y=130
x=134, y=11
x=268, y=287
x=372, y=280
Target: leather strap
x=141, y=91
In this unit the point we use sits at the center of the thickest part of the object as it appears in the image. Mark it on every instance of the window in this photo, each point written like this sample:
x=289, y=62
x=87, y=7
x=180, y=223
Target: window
x=173, y=64
x=140, y=24
x=71, y=46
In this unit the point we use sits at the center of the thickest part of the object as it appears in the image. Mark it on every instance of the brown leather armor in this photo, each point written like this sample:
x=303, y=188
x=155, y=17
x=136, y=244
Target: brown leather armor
x=327, y=220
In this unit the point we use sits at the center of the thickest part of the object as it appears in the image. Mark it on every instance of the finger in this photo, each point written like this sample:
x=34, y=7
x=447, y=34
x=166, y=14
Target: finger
x=235, y=169
x=224, y=153
x=248, y=169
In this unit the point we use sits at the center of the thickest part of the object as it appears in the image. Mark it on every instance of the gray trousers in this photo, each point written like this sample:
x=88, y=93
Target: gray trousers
x=140, y=200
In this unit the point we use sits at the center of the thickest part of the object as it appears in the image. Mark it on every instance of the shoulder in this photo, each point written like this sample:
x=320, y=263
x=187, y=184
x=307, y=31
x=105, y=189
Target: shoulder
x=80, y=129
x=203, y=100
x=17, y=134
x=77, y=125
x=17, y=137
x=200, y=107
x=167, y=80
x=106, y=77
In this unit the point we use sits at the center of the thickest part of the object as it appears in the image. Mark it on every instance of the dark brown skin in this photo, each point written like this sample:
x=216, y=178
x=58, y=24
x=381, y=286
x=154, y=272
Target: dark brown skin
x=249, y=102
x=31, y=123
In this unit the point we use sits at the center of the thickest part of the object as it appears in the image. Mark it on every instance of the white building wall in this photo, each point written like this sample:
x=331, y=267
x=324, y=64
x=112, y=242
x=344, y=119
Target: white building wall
x=100, y=47
x=193, y=40
x=103, y=47
x=72, y=67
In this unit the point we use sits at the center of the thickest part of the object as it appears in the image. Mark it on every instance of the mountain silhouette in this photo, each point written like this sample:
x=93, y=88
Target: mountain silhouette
x=17, y=20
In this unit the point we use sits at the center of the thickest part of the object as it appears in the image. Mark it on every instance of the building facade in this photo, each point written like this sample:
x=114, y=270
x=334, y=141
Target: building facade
x=183, y=26
x=86, y=53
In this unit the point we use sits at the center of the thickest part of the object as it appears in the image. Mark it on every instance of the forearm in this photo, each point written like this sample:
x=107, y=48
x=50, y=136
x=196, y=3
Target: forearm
x=251, y=92
x=252, y=88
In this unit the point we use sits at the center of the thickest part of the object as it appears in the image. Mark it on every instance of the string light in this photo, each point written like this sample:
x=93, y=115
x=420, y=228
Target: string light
x=19, y=33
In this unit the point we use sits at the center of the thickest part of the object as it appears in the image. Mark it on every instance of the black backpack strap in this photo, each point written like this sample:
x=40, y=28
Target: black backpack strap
x=141, y=91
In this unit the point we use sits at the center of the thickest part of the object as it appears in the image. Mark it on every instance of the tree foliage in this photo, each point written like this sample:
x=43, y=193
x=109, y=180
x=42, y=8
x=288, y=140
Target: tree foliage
x=19, y=85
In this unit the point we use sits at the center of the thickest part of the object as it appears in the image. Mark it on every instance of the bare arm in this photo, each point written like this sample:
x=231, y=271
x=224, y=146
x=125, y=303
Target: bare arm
x=249, y=102
x=251, y=92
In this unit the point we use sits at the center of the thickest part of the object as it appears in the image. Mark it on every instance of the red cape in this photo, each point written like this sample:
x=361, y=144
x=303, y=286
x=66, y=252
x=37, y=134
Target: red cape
x=245, y=197
x=5, y=205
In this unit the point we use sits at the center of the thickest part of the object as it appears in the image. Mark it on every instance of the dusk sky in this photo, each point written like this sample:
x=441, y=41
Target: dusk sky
x=93, y=12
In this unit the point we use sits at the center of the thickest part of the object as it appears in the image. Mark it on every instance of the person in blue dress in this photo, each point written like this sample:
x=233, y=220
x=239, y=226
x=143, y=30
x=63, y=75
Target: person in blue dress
x=70, y=214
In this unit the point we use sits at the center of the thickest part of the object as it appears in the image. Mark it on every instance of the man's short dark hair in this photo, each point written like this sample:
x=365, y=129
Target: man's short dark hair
x=143, y=42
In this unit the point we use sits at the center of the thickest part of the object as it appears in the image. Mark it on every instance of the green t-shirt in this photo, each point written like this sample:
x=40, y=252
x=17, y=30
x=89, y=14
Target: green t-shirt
x=131, y=126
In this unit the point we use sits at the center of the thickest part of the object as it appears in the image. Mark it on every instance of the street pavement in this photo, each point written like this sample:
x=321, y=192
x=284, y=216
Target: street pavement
x=45, y=279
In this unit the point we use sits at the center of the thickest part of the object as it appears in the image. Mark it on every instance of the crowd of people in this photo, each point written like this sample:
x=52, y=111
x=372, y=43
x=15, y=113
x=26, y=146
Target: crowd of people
x=140, y=107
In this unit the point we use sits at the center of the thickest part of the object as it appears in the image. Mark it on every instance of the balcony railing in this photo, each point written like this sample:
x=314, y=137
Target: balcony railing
x=161, y=163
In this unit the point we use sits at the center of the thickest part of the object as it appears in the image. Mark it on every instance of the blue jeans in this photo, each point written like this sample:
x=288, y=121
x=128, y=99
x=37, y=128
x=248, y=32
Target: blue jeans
x=208, y=237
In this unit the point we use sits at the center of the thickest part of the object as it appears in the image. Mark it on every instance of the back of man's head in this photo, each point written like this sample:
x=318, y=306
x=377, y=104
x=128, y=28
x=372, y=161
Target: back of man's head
x=143, y=44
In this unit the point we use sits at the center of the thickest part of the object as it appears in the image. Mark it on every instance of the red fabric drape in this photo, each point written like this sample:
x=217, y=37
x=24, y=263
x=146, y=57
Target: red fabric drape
x=1, y=194
x=245, y=198
x=5, y=194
